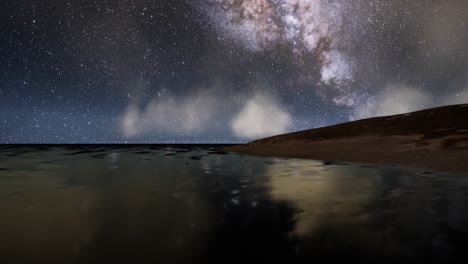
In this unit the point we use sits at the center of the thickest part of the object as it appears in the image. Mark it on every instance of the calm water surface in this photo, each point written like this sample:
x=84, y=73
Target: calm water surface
x=160, y=204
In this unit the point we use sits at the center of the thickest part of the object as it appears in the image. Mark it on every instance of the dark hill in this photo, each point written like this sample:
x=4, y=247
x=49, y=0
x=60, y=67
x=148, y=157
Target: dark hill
x=434, y=138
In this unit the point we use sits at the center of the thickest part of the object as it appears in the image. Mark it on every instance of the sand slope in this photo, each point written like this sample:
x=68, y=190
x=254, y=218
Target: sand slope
x=434, y=138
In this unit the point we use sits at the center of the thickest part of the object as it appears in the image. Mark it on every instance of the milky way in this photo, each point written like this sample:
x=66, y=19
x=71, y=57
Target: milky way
x=188, y=71
x=308, y=27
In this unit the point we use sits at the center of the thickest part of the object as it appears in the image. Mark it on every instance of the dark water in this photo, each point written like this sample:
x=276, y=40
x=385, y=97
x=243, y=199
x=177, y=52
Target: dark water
x=161, y=204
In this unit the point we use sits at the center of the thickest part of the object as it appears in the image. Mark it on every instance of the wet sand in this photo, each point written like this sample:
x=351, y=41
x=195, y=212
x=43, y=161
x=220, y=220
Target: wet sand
x=435, y=139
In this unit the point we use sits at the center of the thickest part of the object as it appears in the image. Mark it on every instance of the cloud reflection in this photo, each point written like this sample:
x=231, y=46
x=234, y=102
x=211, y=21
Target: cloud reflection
x=322, y=195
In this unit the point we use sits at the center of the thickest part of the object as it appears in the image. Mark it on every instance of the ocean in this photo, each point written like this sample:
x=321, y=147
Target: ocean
x=199, y=204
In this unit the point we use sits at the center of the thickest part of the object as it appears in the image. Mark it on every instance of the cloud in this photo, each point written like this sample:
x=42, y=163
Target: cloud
x=399, y=99
x=192, y=114
x=460, y=97
x=131, y=121
x=260, y=117
x=396, y=99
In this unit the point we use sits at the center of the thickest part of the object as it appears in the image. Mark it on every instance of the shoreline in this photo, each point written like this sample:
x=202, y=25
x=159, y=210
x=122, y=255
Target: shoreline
x=435, y=138
x=448, y=161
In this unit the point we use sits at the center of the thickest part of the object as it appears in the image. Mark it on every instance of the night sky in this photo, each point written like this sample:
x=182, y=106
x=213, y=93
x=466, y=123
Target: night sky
x=221, y=71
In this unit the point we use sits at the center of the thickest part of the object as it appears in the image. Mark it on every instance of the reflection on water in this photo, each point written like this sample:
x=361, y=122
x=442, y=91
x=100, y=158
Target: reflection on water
x=94, y=204
x=321, y=194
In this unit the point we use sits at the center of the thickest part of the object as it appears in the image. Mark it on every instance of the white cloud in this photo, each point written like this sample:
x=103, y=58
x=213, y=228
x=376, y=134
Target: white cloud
x=130, y=121
x=190, y=115
x=396, y=99
x=260, y=117
x=460, y=97
x=399, y=99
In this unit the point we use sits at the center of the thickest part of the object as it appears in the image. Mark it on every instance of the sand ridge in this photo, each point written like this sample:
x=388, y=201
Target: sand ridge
x=435, y=138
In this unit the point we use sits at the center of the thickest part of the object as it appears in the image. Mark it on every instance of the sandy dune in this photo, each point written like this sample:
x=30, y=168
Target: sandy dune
x=435, y=138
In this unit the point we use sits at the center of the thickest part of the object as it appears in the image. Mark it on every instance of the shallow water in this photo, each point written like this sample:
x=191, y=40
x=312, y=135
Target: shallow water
x=148, y=204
